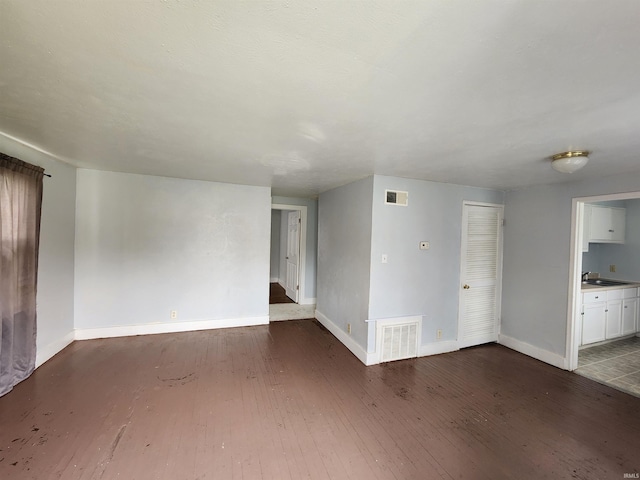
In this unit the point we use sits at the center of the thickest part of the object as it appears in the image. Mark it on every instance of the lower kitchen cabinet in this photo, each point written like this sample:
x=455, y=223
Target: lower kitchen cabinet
x=593, y=322
x=629, y=316
x=608, y=314
x=613, y=319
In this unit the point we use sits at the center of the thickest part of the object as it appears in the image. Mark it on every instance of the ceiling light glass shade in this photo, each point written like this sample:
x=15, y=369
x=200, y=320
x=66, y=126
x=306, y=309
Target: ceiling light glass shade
x=569, y=162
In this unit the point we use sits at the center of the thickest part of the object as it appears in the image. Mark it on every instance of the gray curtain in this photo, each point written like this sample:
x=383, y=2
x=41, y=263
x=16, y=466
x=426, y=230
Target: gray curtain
x=20, y=205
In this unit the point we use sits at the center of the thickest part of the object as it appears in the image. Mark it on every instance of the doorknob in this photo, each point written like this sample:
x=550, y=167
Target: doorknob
x=466, y=287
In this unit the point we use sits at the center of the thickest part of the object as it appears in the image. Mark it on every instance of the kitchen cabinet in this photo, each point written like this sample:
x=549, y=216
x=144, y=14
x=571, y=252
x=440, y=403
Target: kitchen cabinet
x=594, y=317
x=606, y=224
x=629, y=316
x=608, y=314
x=613, y=318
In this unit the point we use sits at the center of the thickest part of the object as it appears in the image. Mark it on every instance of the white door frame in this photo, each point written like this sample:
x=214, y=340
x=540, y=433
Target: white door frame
x=575, y=269
x=302, y=298
x=499, y=267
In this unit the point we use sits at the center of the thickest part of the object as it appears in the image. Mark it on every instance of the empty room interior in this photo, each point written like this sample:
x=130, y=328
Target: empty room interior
x=324, y=240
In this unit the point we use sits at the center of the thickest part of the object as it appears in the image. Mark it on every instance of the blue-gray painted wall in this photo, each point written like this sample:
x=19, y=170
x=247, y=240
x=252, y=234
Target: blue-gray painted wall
x=344, y=256
x=146, y=245
x=537, y=257
x=414, y=281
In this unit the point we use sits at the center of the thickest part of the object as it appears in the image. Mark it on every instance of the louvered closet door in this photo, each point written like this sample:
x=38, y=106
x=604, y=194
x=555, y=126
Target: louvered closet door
x=480, y=274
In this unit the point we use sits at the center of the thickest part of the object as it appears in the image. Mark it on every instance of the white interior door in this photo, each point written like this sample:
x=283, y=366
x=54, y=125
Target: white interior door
x=293, y=255
x=480, y=274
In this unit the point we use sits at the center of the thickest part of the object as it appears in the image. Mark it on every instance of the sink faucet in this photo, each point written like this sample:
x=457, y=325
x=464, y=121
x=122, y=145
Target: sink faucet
x=585, y=276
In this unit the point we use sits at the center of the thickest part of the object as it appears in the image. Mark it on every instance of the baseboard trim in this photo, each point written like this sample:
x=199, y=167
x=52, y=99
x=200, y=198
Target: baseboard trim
x=307, y=301
x=273, y=280
x=437, y=348
x=174, y=327
x=532, y=351
x=344, y=338
x=49, y=351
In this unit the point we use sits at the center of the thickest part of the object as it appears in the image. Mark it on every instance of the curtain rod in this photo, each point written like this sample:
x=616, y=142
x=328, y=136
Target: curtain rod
x=47, y=175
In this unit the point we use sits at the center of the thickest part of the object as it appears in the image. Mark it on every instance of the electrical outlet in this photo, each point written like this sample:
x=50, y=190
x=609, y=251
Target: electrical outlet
x=612, y=268
x=174, y=314
x=349, y=328
x=438, y=334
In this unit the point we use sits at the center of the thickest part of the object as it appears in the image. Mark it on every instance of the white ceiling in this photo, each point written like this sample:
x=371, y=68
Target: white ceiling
x=307, y=95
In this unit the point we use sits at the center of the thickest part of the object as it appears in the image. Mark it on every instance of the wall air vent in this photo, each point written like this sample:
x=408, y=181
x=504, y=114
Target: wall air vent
x=396, y=197
x=399, y=341
x=398, y=338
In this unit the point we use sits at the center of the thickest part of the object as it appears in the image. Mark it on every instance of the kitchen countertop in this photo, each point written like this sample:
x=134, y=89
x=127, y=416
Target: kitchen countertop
x=591, y=288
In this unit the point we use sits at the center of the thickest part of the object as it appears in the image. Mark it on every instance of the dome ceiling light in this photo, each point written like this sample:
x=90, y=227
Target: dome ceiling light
x=569, y=162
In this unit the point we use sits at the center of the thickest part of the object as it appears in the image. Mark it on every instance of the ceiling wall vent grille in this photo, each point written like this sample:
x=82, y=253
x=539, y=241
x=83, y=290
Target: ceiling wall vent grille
x=396, y=197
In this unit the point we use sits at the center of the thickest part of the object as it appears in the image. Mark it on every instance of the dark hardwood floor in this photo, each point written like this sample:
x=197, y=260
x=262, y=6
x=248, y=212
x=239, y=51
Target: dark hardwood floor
x=288, y=401
x=277, y=294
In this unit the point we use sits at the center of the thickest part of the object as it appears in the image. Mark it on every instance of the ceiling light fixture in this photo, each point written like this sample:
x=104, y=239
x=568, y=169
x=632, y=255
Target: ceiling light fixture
x=569, y=162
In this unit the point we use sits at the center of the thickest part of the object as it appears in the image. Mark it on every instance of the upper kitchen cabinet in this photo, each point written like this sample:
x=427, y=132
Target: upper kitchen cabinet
x=606, y=224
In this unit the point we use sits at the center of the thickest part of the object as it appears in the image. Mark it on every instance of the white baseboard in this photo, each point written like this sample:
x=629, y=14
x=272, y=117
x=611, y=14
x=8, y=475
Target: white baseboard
x=45, y=353
x=437, y=348
x=307, y=301
x=374, y=358
x=273, y=280
x=154, y=328
x=532, y=351
x=344, y=338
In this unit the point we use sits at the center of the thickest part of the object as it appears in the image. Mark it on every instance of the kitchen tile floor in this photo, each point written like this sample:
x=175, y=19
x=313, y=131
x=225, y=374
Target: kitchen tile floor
x=616, y=364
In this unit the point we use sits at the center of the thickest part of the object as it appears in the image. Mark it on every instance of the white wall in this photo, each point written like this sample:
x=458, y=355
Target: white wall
x=147, y=245
x=344, y=255
x=276, y=217
x=56, y=262
x=312, y=240
x=536, y=260
x=414, y=281
x=56, y=258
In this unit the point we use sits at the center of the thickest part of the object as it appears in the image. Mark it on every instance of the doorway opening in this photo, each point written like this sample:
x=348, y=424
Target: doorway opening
x=287, y=299
x=603, y=321
x=288, y=248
